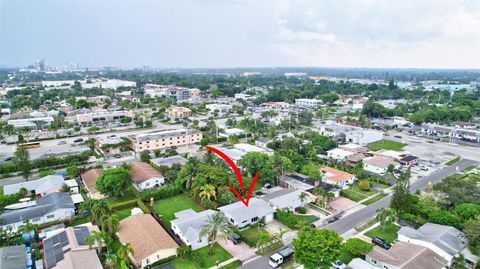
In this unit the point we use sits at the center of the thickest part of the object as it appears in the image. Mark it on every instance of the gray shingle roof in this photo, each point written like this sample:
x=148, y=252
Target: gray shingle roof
x=13, y=257
x=256, y=208
x=189, y=222
x=169, y=161
x=39, y=186
x=45, y=205
x=447, y=238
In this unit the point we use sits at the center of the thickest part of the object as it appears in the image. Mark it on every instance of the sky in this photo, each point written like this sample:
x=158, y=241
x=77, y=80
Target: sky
x=242, y=33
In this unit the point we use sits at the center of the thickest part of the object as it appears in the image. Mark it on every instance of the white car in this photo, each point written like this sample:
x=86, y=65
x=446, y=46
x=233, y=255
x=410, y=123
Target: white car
x=338, y=264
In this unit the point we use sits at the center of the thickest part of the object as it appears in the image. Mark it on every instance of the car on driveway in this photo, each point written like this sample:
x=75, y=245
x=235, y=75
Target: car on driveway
x=338, y=264
x=236, y=239
x=381, y=243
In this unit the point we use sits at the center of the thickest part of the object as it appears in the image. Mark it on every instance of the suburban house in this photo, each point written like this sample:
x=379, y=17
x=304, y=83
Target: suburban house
x=355, y=148
x=354, y=159
x=283, y=199
x=15, y=257
x=89, y=179
x=240, y=215
x=338, y=154
x=247, y=148
x=307, y=185
x=150, y=242
x=42, y=186
x=67, y=248
x=403, y=255
x=263, y=141
x=358, y=263
x=187, y=225
x=337, y=177
x=177, y=112
x=169, y=161
x=145, y=176
x=444, y=240
x=379, y=164
x=51, y=207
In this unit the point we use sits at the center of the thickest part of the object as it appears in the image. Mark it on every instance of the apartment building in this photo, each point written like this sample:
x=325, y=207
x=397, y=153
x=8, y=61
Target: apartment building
x=165, y=139
x=308, y=103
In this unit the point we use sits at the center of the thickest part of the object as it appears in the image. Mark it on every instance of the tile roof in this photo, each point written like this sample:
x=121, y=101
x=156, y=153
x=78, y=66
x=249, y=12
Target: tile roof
x=145, y=235
x=335, y=174
x=89, y=178
x=141, y=172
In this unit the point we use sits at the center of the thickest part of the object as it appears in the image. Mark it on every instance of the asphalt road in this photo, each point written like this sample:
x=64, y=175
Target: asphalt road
x=352, y=220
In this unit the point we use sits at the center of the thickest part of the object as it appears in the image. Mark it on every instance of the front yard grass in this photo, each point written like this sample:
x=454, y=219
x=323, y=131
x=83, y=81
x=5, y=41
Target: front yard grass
x=167, y=207
x=453, y=161
x=219, y=254
x=233, y=265
x=251, y=235
x=386, y=144
x=356, y=188
x=374, y=199
x=354, y=196
x=389, y=233
x=121, y=214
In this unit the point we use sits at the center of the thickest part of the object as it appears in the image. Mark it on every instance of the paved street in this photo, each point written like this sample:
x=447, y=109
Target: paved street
x=354, y=219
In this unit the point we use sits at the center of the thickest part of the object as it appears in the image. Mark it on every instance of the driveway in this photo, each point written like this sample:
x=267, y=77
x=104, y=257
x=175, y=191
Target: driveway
x=340, y=204
x=240, y=251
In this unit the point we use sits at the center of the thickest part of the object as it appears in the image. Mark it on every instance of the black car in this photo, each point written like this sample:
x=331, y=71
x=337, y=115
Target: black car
x=78, y=140
x=236, y=239
x=381, y=243
x=397, y=136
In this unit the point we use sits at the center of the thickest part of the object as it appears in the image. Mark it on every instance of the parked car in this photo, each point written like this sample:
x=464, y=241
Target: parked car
x=381, y=243
x=118, y=156
x=8, y=159
x=236, y=239
x=397, y=136
x=63, y=142
x=338, y=264
x=78, y=140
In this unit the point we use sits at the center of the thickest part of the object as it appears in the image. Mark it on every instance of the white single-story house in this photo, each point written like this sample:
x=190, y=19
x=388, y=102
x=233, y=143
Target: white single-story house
x=51, y=207
x=42, y=186
x=187, y=225
x=379, y=164
x=285, y=199
x=145, y=176
x=338, y=154
x=240, y=215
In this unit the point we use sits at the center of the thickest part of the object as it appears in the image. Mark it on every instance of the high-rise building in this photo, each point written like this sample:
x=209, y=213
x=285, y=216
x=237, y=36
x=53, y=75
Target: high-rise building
x=41, y=65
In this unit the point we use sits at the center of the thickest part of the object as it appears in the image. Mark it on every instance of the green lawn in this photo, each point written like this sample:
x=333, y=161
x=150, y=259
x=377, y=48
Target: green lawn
x=130, y=195
x=307, y=219
x=166, y=207
x=269, y=249
x=388, y=233
x=251, y=235
x=374, y=199
x=386, y=144
x=79, y=221
x=453, y=161
x=470, y=168
x=121, y=214
x=354, y=196
x=219, y=254
x=356, y=188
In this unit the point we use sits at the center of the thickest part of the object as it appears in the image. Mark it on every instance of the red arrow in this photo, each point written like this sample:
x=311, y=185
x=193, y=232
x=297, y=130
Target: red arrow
x=239, y=176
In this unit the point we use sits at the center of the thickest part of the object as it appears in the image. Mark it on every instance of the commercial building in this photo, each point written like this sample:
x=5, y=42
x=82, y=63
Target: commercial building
x=177, y=112
x=165, y=139
x=101, y=117
x=41, y=123
x=308, y=103
x=110, y=144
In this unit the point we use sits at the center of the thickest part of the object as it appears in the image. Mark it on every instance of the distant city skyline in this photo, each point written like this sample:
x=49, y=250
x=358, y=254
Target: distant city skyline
x=241, y=33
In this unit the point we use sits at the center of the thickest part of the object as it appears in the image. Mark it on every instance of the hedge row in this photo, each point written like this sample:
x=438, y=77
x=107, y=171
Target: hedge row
x=287, y=219
x=11, y=167
x=160, y=193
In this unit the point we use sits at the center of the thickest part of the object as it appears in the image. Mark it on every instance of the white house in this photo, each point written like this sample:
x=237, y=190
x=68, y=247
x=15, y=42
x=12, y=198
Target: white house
x=284, y=199
x=145, y=176
x=379, y=164
x=240, y=215
x=187, y=225
x=52, y=207
x=337, y=177
x=42, y=186
x=444, y=240
x=339, y=155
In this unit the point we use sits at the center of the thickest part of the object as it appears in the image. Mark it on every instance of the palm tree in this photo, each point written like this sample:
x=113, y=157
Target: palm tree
x=97, y=238
x=303, y=198
x=386, y=216
x=215, y=228
x=111, y=260
x=207, y=191
x=99, y=209
x=187, y=173
x=263, y=239
x=279, y=235
x=123, y=253
x=109, y=224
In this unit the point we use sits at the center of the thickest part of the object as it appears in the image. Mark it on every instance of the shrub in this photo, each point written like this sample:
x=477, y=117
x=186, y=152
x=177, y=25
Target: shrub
x=357, y=247
x=364, y=185
x=287, y=219
x=160, y=193
x=444, y=217
x=302, y=210
x=196, y=258
x=183, y=251
x=124, y=205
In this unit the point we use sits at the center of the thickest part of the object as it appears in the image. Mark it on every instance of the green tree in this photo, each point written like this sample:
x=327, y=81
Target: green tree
x=386, y=216
x=401, y=192
x=207, y=191
x=364, y=185
x=472, y=231
x=109, y=223
x=313, y=247
x=22, y=160
x=145, y=156
x=73, y=171
x=263, y=239
x=97, y=238
x=467, y=211
x=123, y=252
x=216, y=227
x=254, y=162
x=444, y=217
x=113, y=182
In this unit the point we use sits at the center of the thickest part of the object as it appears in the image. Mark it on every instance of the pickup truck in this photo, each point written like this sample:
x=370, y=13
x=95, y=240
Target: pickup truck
x=281, y=256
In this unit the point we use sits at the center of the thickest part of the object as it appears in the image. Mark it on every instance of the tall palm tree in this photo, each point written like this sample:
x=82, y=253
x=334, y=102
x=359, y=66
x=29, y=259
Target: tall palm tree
x=303, y=198
x=279, y=235
x=215, y=228
x=386, y=216
x=100, y=208
x=123, y=253
x=207, y=191
x=263, y=239
x=111, y=260
x=109, y=224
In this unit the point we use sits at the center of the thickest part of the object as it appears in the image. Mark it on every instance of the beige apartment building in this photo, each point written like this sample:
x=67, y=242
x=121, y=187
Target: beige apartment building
x=165, y=139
